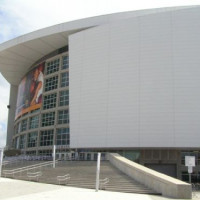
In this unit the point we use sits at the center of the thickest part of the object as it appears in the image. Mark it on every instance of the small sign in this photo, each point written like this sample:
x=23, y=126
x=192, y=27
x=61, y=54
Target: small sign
x=190, y=161
x=190, y=169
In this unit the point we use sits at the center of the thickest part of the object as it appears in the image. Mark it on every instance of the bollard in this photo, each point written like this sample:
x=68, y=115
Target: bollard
x=98, y=171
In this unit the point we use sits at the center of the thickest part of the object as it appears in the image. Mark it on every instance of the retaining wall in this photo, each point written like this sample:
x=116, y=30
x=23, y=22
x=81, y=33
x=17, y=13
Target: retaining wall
x=159, y=182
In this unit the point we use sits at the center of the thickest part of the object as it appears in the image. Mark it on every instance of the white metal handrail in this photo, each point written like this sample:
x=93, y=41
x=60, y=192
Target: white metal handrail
x=63, y=178
x=34, y=175
x=27, y=166
x=30, y=167
x=103, y=183
x=27, y=157
x=17, y=159
x=6, y=162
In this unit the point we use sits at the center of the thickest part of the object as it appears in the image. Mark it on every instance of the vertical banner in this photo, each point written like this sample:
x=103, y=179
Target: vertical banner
x=1, y=160
x=30, y=91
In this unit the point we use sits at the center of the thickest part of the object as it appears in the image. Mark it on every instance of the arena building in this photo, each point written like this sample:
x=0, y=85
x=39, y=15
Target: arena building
x=126, y=82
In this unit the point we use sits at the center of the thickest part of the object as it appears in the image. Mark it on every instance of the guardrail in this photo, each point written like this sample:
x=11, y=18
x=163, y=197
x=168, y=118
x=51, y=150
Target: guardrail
x=18, y=159
x=103, y=183
x=6, y=163
x=63, y=178
x=34, y=175
x=24, y=157
x=27, y=168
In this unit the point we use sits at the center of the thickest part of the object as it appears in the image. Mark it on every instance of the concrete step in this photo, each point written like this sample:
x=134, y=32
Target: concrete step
x=83, y=175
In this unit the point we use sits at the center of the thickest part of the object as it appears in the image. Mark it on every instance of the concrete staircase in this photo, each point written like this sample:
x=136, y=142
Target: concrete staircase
x=83, y=175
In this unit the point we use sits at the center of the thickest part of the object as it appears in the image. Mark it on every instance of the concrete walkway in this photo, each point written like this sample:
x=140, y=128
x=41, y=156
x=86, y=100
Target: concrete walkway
x=11, y=189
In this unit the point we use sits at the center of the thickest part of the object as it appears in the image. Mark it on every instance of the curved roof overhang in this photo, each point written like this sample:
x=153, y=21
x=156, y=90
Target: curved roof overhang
x=19, y=54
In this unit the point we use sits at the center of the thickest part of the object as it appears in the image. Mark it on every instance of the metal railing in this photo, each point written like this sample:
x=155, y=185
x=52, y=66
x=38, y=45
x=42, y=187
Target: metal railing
x=15, y=160
x=33, y=175
x=103, y=183
x=27, y=157
x=27, y=168
x=64, y=178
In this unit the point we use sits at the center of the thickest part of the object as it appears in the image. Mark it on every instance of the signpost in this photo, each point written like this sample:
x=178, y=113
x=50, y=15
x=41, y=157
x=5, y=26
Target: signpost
x=98, y=171
x=190, y=163
x=1, y=160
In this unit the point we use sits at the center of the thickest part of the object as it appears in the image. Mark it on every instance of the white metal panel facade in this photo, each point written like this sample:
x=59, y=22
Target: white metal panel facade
x=136, y=82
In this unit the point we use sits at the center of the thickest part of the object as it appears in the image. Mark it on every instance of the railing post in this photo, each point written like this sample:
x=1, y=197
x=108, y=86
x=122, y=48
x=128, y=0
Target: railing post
x=98, y=171
x=54, y=156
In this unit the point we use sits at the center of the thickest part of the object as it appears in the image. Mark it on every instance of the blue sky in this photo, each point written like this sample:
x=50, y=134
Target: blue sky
x=18, y=17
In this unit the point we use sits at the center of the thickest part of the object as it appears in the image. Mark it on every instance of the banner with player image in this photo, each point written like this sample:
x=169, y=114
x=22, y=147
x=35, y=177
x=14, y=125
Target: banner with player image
x=30, y=91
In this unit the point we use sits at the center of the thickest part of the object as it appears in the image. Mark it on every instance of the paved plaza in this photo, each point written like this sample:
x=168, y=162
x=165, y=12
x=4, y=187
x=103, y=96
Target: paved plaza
x=11, y=189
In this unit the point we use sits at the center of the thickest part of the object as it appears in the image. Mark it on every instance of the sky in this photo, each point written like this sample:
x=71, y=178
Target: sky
x=18, y=17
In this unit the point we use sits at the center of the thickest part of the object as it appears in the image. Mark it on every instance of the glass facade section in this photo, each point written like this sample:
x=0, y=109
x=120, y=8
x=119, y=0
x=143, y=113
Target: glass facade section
x=62, y=136
x=51, y=83
x=64, y=98
x=16, y=145
x=52, y=66
x=48, y=119
x=31, y=153
x=64, y=81
x=32, y=139
x=34, y=122
x=46, y=138
x=49, y=101
x=46, y=153
x=63, y=117
x=65, y=62
x=55, y=96
x=22, y=141
x=17, y=128
x=24, y=125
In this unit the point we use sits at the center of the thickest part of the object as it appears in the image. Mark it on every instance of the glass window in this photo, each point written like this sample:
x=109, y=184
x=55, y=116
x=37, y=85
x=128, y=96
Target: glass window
x=34, y=122
x=62, y=136
x=17, y=142
x=52, y=66
x=65, y=62
x=18, y=128
x=51, y=83
x=64, y=98
x=24, y=125
x=49, y=101
x=32, y=139
x=22, y=141
x=46, y=138
x=63, y=117
x=64, y=79
x=31, y=153
x=48, y=119
x=46, y=153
